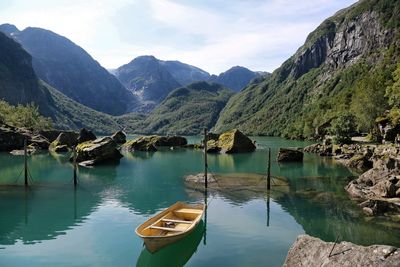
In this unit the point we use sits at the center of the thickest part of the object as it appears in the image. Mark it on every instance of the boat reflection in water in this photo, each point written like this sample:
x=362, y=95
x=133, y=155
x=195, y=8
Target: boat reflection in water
x=176, y=254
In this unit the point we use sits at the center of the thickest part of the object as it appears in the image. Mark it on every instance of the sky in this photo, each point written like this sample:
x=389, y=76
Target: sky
x=213, y=35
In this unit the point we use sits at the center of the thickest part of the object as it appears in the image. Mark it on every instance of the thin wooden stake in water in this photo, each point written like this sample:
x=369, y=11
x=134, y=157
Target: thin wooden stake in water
x=74, y=161
x=26, y=161
x=268, y=210
x=205, y=159
x=269, y=170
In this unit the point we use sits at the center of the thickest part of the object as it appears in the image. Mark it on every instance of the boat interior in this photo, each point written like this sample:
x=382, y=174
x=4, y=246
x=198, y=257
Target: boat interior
x=173, y=222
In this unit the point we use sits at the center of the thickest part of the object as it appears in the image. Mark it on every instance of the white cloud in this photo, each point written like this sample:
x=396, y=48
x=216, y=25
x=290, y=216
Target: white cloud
x=256, y=34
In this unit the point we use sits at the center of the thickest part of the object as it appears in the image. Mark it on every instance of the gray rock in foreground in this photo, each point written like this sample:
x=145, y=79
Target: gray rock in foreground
x=310, y=251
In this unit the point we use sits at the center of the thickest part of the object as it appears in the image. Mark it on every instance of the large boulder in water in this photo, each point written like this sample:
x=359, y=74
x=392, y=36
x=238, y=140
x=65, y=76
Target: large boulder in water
x=233, y=141
x=150, y=143
x=119, y=137
x=85, y=135
x=97, y=151
x=288, y=154
x=64, y=141
x=169, y=141
x=143, y=143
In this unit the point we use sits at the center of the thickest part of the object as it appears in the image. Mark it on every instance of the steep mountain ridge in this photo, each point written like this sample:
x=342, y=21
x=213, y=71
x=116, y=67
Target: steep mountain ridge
x=319, y=81
x=20, y=85
x=70, y=69
x=18, y=81
x=146, y=78
x=152, y=79
x=185, y=73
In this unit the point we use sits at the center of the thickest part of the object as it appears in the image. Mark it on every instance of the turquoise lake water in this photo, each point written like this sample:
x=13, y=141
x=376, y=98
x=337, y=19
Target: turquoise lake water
x=52, y=224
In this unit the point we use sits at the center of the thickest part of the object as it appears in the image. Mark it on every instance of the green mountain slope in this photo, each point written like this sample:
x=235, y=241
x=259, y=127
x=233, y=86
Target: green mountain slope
x=20, y=85
x=69, y=114
x=325, y=77
x=188, y=110
x=70, y=69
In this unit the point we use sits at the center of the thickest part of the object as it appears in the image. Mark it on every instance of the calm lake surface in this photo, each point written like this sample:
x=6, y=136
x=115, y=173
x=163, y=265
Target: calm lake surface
x=51, y=224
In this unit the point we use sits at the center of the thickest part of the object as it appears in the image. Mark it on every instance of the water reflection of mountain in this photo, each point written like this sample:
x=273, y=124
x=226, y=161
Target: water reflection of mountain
x=176, y=254
x=42, y=213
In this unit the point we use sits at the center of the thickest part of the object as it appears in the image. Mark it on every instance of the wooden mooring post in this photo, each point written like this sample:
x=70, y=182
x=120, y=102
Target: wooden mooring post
x=25, y=161
x=269, y=170
x=205, y=160
x=75, y=167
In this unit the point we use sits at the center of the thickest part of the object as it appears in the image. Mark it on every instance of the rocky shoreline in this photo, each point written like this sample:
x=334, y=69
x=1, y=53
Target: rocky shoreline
x=378, y=187
x=311, y=251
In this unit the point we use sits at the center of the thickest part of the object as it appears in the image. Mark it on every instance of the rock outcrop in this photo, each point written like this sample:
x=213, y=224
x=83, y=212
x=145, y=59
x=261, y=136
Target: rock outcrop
x=119, y=137
x=101, y=150
x=143, y=143
x=150, y=143
x=287, y=154
x=64, y=141
x=50, y=135
x=11, y=138
x=39, y=142
x=352, y=155
x=233, y=141
x=388, y=132
x=381, y=184
x=310, y=251
x=85, y=135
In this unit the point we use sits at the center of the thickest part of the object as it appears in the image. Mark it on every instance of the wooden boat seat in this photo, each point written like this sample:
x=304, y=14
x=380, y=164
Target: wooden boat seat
x=186, y=210
x=165, y=228
x=176, y=221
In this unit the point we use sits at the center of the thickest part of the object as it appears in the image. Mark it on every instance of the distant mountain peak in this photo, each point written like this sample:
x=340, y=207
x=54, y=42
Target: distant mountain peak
x=8, y=28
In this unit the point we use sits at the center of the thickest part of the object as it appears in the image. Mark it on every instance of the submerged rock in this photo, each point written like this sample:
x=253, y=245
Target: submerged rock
x=233, y=141
x=311, y=251
x=97, y=151
x=64, y=141
x=288, y=154
x=119, y=137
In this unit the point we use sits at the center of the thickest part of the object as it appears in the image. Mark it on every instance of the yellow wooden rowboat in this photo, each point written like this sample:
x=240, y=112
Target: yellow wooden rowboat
x=170, y=225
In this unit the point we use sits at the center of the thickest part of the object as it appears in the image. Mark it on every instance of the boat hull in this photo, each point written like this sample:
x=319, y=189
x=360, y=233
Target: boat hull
x=183, y=217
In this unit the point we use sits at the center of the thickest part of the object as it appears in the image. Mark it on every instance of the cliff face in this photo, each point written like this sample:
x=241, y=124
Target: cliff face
x=342, y=44
x=342, y=50
x=18, y=81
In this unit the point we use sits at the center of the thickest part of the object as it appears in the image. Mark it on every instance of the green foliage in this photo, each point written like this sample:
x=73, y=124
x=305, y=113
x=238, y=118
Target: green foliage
x=369, y=100
x=393, y=91
x=23, y=116
x=342, y=128
x=68, y=114
x=187, y=110
x=304, y=106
